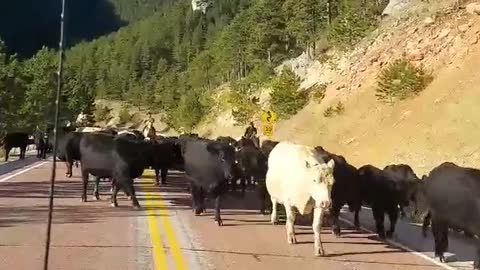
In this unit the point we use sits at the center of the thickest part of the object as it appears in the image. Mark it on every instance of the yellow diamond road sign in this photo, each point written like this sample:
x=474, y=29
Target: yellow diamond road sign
x=269, y=117
x=267, y=130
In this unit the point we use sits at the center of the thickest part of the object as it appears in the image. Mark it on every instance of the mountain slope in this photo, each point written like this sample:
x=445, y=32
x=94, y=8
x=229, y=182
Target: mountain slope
x=438, y=125
x=27, y=25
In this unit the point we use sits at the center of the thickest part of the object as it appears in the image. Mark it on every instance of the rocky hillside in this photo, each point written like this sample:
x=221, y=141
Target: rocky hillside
x=439, y=124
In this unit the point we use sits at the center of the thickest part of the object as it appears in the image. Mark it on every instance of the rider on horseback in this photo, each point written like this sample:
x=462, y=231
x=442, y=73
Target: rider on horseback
x=149, y=131
x=250, y=132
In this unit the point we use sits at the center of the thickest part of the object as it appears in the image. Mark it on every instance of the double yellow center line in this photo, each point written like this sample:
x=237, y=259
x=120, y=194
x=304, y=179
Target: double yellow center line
x=156, y=205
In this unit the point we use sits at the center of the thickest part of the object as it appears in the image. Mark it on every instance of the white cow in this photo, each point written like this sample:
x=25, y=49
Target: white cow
x=298, y=178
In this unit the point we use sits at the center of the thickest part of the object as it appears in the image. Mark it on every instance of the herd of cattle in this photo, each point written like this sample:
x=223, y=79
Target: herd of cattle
x=301, y=178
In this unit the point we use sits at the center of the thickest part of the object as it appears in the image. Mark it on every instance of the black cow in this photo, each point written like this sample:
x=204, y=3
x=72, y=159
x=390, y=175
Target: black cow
x=69, y=150
x=121, y=159
x=384, y=194
x=252, y=164
x=227, y=140
x=16, y=139
x=189, y=136
x=42, y=145
x=208, y=166
x=452, y=195
x=168, y=153
x=267, y=146
x=345, y=190
x=405, y=179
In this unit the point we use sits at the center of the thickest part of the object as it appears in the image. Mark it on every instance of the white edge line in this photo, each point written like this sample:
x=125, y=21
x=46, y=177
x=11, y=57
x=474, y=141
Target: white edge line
x=22, y=171
x=395, y=243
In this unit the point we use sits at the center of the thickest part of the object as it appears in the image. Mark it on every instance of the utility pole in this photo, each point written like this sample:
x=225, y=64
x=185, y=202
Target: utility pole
x=55, y=137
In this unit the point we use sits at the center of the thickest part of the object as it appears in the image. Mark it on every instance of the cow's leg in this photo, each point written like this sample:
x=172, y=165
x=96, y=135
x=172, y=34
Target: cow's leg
x=393, y=217
x=379, y=216
x=440, y=234
x=163, y=175
x=233, y=184
x=476, y=263
x=157, y=177
x=112, y=180
x=402, y=212
x=69, y=163
x=196, y=205
x=335, y=212
x=357, y=219
x=243, y=185
x=426, y=222
x=218, y=218
x=113, y=199
x=290, y=224
x=7, y=152
x=201, y=200
x=262, y=196
x=317, y=228
x=23, y=152
x=273, y=215
x=130, y=189
x=355, y=207
x=95, y=191
x=85, y=184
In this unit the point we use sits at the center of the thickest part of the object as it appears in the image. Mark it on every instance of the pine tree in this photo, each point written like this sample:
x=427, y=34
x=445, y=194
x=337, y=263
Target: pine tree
x=89, y=110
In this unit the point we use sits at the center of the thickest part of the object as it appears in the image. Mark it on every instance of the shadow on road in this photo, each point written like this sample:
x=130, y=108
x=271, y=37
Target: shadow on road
x=14, y=163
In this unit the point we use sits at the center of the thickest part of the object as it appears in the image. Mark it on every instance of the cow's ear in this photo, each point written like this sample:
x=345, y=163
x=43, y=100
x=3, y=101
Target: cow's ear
x=307, y=165
x=331, y=163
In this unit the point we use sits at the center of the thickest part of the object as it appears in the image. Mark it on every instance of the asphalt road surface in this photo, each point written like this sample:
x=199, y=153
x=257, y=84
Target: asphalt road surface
x=165, y=234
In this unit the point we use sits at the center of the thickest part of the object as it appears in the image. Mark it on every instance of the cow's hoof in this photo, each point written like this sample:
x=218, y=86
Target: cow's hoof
x=84, y=199
x=137, y=206
x=381, y=236
x=319, y=252
x=292, y=241
x=96, y=198
x=389, y=234
x=219, y=222
x=114, y=205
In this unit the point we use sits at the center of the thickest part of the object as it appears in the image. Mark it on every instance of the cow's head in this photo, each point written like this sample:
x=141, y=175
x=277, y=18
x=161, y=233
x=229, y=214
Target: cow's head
x=226, y=156
x=227, y=159
x=414, y=198
x=322, y=178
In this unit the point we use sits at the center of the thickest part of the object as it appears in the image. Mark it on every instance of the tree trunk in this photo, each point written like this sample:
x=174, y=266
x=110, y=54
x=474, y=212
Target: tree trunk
x=329, y=10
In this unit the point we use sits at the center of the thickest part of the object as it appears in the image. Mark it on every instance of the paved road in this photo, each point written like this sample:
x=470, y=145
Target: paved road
x=165, y=233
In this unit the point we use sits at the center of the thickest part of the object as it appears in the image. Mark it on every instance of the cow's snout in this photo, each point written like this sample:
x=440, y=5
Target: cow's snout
x=325, y=204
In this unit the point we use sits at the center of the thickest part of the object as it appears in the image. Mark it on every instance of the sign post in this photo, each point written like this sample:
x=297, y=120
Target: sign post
x=268, y=119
